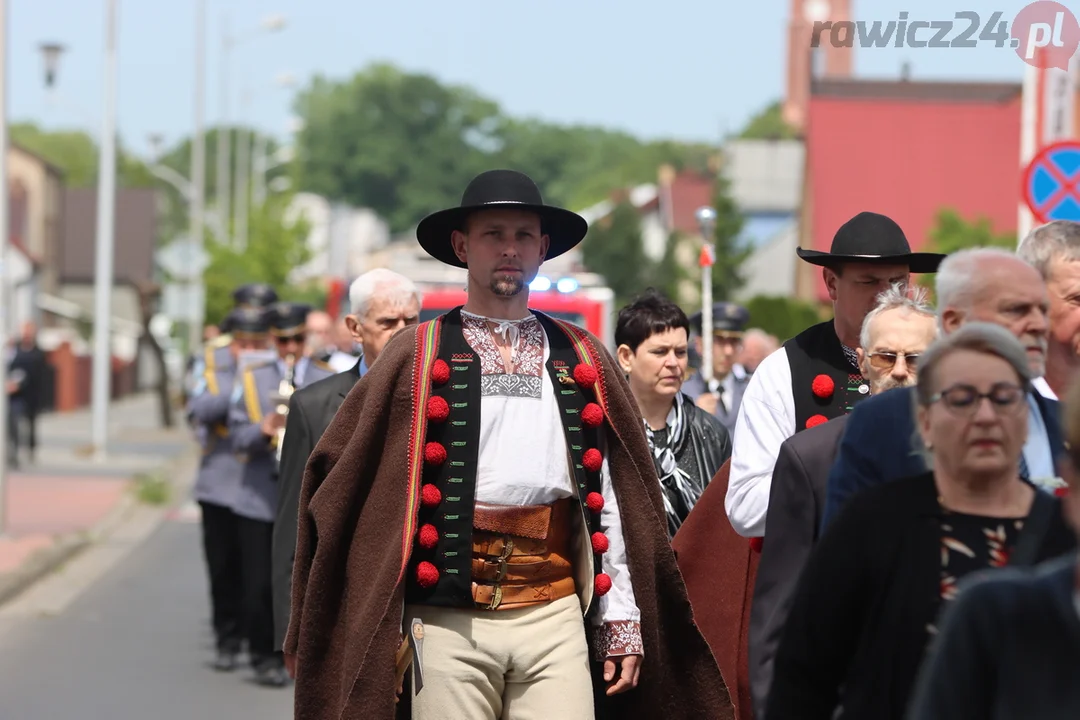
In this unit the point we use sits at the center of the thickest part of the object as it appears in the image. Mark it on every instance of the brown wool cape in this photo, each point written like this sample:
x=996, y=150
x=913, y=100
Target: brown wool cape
x=348, y=584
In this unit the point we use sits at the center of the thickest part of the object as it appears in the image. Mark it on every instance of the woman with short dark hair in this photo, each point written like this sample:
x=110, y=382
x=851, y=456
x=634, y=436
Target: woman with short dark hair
x=688, y=444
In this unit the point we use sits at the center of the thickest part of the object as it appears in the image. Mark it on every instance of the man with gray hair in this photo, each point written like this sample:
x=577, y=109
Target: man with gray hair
x=977, y=284
x=894, y=335
x=1054, y=250
x=381, y=302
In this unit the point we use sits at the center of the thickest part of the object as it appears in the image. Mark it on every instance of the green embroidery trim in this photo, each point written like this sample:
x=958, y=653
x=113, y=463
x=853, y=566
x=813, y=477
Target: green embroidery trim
x=450, y=553
x=451, y=517
x=460, y=405
x=461, y=368
x=453, y=499
x=567, y=392
x=579, y=467
x=451, y=536
x=458, y=443
x=571, y=411
x=457, y=463
x=458, y=423
x=452, y=571
x=455, y=480
x=575, y=447
x=460, y=387
x=571, y=428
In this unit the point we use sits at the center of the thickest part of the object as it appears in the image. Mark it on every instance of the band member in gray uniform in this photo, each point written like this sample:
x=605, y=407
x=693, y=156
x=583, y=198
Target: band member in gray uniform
x=218, y=482
x=257, y=422
x=721, y=395
x=217, y=353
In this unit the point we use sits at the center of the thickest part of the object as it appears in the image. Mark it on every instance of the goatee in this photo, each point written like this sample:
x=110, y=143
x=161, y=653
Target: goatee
x=507, y=285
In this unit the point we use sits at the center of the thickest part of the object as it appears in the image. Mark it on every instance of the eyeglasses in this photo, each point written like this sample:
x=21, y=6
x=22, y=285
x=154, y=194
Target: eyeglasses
x=886, y=360
x=299, y=339
x=1005, y=399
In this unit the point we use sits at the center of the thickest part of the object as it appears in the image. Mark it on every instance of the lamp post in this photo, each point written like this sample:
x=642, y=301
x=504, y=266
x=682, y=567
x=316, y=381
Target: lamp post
x=104, y=260
x=4, y=303
x=706, y=219
x=51, y=53
x=260, y=164
x=272, y=23
x=198, y=172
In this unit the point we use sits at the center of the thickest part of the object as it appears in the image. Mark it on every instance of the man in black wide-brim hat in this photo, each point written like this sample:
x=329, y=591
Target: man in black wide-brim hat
x=815, y=376
x=483, y=492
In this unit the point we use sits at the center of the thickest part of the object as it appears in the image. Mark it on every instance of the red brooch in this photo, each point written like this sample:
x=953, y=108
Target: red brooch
x=599, y=543
x=592, y=415
x=823, y=386
x=434, y=453
x=427, y=575
x=1061, y=492
x=815, y=420
x=429, y=536
x=594, y=501
x=584, y=375
x=438, y=409
x=430, y=496
x=592, y=460
x=603, y=584
x=440, y=372
x=756, y=544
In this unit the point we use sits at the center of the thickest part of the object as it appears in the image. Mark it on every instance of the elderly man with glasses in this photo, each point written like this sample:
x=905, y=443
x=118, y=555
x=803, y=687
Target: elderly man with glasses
x=973, y=285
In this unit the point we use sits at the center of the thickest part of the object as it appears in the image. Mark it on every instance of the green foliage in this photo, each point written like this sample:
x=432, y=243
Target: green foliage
x=404, y=145
x=951, y=232
x=75, y=153
x=275, y=247
x=731, y=253
x=613, y=248
x=769, y=124
x=783, y=317
x=152, y=489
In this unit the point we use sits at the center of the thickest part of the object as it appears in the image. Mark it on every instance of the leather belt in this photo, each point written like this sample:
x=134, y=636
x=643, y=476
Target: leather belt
x=521, y=555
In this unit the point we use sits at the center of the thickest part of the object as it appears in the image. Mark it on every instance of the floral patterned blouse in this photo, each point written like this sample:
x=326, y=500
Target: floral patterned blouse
x=970, y=543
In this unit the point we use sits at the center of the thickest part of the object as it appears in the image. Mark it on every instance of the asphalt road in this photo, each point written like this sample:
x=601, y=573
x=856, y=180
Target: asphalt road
x=134, y=644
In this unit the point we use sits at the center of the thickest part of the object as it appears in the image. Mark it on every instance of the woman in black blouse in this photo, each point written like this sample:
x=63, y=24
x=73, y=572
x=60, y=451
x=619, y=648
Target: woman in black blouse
x=869, y=599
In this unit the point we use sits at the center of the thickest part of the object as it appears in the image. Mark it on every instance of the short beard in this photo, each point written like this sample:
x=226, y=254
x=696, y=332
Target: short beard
x=889, y=383
x=507, y=285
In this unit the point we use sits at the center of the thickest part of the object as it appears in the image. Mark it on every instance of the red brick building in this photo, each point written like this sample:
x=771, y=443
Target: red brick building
x=908, y=150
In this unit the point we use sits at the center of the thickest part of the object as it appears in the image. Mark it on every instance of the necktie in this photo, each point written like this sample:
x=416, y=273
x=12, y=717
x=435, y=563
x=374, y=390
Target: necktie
x=1025, y=473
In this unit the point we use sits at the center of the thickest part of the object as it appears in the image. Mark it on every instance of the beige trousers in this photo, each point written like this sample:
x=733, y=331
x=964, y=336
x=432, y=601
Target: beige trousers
x=528, y=664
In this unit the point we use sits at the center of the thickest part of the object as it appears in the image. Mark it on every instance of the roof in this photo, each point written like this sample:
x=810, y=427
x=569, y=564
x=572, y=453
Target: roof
x=49, y=165
x=908, y=90
x=911, y=154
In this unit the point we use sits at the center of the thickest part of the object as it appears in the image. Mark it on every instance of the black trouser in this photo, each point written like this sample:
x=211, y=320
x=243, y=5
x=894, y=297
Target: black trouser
x=256, y=539
x=224, y=562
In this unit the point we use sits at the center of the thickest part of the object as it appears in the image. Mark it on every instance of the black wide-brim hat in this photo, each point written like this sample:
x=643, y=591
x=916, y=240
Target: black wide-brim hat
x=493, y=190
x=875, y=239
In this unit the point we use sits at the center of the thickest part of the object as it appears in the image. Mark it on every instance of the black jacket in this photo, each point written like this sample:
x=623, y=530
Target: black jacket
x=310, y=411
x=857, y=631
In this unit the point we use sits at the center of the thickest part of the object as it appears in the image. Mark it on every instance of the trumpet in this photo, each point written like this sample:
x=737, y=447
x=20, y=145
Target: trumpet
x=285, y=391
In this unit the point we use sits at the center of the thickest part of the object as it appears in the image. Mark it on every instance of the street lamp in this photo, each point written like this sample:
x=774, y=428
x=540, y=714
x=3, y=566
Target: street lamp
x=706, y=219
x=269, y=24
x=4, y=304
x=51, y=53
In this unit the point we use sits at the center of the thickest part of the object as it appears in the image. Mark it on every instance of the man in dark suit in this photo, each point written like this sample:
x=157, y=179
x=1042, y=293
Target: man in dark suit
x=893, y=335
x=979, y=284
x=720, y=396
x=382, y=302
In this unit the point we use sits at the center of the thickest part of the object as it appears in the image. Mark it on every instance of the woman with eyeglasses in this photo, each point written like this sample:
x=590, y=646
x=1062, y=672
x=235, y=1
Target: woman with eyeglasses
x=869, y=599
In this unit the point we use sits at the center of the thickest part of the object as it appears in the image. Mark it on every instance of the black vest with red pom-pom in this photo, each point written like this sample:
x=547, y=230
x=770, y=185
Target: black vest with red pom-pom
x=824, y=383
x=440, y=566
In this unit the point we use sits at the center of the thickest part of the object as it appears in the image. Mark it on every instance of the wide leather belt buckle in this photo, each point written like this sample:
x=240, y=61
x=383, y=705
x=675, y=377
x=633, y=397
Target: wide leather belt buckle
x=496, y=597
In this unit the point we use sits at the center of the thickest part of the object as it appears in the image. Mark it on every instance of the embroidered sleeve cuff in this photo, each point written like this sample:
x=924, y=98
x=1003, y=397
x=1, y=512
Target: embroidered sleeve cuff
x=615, y=638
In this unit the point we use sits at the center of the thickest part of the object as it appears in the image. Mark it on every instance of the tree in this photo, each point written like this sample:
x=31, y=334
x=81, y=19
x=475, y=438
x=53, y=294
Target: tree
x=731, y=252
x=275, y=247
x=769, y=124
x=613, y=248
x=783, y=317
x=951, y=233
x=76, y=154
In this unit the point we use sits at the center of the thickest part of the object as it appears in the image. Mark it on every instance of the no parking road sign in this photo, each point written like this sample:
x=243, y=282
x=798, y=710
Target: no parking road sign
x=1052, y=182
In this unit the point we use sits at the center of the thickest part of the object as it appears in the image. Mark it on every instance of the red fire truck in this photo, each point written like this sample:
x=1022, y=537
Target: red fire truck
x=576, y=298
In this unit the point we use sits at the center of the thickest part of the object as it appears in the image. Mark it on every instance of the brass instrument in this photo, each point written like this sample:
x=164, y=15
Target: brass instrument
x=285, y=391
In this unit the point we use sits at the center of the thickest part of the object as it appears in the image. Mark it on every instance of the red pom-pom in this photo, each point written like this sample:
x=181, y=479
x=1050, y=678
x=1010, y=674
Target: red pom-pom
x=815, y=420
x=434, y=453
x=1061, y=491
x=430, y=496
x=592, y=460
x=440, y=372
x=599, y=542
x=429, y=536
x=592, y=415
x=594, y=501
x=823, y=386
x=584, y=375
x=603, y=584
x=438, y=409
x=427, y=575
x=756, y=544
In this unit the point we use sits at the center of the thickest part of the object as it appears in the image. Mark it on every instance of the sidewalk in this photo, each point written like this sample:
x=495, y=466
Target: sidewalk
x=55, y=506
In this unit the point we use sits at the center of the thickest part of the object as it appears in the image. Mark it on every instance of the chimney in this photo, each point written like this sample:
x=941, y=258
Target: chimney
x=905, y=71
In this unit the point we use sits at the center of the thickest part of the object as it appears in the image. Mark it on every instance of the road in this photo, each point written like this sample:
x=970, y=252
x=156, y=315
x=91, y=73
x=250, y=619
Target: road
x=130, y=644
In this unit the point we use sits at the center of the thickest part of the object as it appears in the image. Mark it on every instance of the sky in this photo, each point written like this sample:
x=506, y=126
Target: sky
x=684, y=69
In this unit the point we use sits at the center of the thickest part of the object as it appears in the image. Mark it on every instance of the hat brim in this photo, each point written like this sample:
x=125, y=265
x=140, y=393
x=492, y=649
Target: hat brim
x=917, y=262
x=564, y=228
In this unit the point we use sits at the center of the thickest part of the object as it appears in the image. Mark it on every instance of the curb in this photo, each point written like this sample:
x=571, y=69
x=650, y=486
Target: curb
x=66, y=547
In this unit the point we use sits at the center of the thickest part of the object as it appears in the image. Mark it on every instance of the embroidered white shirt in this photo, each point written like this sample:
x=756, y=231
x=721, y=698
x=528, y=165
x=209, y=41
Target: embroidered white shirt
x=519, y=418
x=766, y=419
